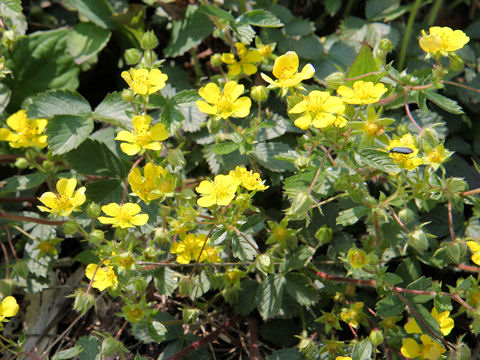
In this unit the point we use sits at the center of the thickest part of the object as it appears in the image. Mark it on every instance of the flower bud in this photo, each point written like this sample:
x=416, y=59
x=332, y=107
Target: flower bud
x=429, y=135
x=335, y=79
x=161, y=236
x=93, y=210
x=385, y=45
x=216, y=60
x=324, y=235
x=47, y=165
x=418, y=240
x=302, y=162
x=21, y=163
x=406, y=215
x=140, y=285
x=243, y=201
x=376, y=337
x=132, y=56
x=127, y=95
x=120, y=233
x=259, y=93
x=357, y=258
x=83, y=302
x=402, y=129
x=230, y=295
x=69, y=228
x=97, y=236
x=190, y=316
x=148, y=41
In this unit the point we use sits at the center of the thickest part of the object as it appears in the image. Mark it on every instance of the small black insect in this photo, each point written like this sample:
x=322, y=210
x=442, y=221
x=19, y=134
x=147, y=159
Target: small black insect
x=235, y=54
x=401, y=150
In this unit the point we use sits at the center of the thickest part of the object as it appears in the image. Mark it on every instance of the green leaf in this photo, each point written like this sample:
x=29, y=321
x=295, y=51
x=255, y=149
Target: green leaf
x=22, y=182
x=104, y=191
x=260, y=17
x=86, y=40
x=269, y=296
x=58, y=102
x=244, y=32
x=241, y=248
x=332, y=6
x=66, y=132
x=113, y=110
x=351, y=216
x=165, y=281
x=68, y=353
x=376, y=159
x=186, y=97
x=299, y=27
x=285, y=354
x=190, y=31
x=157, y=331
x=97, y=11
x=299, y=287
x=444, y=102
x=246, y=296
x=377, y=9
x=362, y=350
x=12, y=5
x=265, y=154
x=5, y=95
x=12, y=16
x=299, y=258
x=40, y=62
x=425, y=320
x=364, y=63
x=95, y=158
x=91, y=348
x=217, y=12
x=225, y=148
x=390, y=306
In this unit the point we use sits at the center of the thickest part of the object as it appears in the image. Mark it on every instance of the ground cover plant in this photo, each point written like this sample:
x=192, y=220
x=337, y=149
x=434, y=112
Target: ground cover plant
x=239, y=179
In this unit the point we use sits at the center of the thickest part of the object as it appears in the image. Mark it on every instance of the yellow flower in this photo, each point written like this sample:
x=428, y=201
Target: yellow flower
x=155, y=182
x=210, y=255
x=66, y=201
x=143, y=137
x=242, y=60
x=248, y=179
x=133, y=313
x=475, y=249
x=429, y=350
x=442, y=40
x=27, y=132
x=145, y=82
x=226, y=104
x=321, y=109
x=8, y=308
x=443, y=319
x=354, y=315
x=221, y=191
x=189, y=248
x=363, y=92
x=285, y=69
x=408, y=161
x=104, y=277
x=343, y=358
x=435, y=157
x=357, y=258
x=123, y=216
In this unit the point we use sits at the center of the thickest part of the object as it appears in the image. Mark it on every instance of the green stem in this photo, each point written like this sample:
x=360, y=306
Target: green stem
x=434, y=12
x=242, y=6
x=348, y=8
x=408, y=32
x=196, y=64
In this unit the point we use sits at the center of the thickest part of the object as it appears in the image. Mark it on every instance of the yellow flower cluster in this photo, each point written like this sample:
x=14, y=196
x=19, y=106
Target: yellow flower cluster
x=442, y=40
x=362, y=93
x=155, y=182
x=26, y=132
x=408, y=161
x=143, y=81
x=242, y=60
x=104, y=277
x=224, y=104
x=66, y=201
x=194, y=247
x=248, y=179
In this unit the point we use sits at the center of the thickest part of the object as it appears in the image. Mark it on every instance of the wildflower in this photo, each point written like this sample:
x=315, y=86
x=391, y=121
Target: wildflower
x=66, y=201
x=442, y=40
x=408, y=161
x=343, y=358
x=363, y=92
x=221, y=191
x=27, y=132
x=145, y=82
x=189, y=248
x=357, y=258
x=123, y=216
x=475, y=249
x=354, y=315
x=429, y=350
x=104, y=277
x=155, y=182
x=143, y=137
x=233, y=277
x=443, y=319
x=320, y=109
x=248, y=179
x=285, y=69
x=266, y=50
x=435, y=157
x=8, y=308
x=226, y=104
x=124, y=261
x=283, y=236
x=133, y=313
x=48, y=247
x=242, y=60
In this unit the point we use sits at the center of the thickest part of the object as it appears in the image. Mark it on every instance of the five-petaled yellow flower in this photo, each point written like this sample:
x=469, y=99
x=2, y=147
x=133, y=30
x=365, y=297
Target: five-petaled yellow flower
x=363, y=92
x=435, y=157
x=443, y=319
x=104, y=277
x=8, y=308
x=145, y=82
x=442, y=40
x=354, y=315
x=475, y=249
x=123, y=216
x=221, y=191
x=429, y=350
x=285, y=69
x=189, y=248
x=67, y=199
x=407, y=161
x=143, y=137
x=226, y=104
x=248, y=179
x=27, y=132
x=320, y=110
x=155, y=182
x=242, y=60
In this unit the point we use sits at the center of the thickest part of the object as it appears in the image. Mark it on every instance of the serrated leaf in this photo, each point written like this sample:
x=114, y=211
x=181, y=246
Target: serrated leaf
x=299, y=258
x=299, y=287
x=22, y=182
x=193, y=118
x=332, y=6
x=241, y=248
x=165, y=282
x=86, y=40
x=377, y=9
x=362, y=350
x=425, y=320
x=376, y=159
x=186, y=97
x=225, y=148
x=68, y=353
x=299, y=27
x=58, y=102
x=191, y=30
x=12, y=16
x=104, y=191
x=364, y=63
x=351, y=216
x=246, y=296
x=285, y=354
x=244, y=32
x=265, y=154
x=91, y=347
x=67, y=132
x=95, y=158
x=389, y=307
x=113, y=109
x=97, y=11
x=157, y=331
x=443, y=102
x=217, y=12
x=269, y=296
x=12, y=5
x=260, y=17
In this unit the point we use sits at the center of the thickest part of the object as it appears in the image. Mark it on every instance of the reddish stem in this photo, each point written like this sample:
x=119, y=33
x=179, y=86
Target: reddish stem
x=450, y=221
x=253, y=339
x=8, y=216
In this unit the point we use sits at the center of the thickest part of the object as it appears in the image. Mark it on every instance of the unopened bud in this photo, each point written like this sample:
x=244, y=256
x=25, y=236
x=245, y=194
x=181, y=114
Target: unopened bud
x=148, y=41
x=376, y=337
x=216, y=60
x=324, y=235
x=335, y=79
x=21, y=163
x=385, y=45
x=140, y=285
x=132, y=56
x=83, y=302
x=97, y=236
x=190, y=316
x=406, y=215
x=302, y=162
x=69, y=228
x=47, y=165
x=418, y=240
x=259, y=93
x=93, y=210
